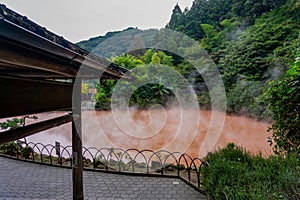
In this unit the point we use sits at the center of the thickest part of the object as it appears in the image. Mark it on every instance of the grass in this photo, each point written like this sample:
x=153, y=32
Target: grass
x=232, y=173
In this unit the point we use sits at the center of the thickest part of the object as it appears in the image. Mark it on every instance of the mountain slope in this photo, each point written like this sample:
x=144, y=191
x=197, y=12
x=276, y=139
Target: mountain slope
x=118, y=42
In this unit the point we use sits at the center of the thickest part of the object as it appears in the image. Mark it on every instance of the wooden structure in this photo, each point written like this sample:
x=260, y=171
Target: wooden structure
x=33, y=61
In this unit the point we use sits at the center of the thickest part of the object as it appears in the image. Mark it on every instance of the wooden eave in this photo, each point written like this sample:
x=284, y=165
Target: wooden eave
x=31, y=62
x=22, y=48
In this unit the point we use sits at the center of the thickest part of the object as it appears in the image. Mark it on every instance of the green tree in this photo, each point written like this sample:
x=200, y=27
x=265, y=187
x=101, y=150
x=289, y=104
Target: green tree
x=127, y=61
x=103, y=95
x=165, y=59
x=85, y=90
x=155, y=59
x=175, y=18
x=162, y=56
x=283, y=97
x=212, y=38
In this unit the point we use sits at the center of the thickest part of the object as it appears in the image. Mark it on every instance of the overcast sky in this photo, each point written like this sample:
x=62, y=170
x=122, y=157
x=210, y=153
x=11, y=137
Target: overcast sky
x=80, y=20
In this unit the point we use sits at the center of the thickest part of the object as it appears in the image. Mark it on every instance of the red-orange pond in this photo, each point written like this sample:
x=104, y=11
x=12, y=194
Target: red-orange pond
x=195, y=132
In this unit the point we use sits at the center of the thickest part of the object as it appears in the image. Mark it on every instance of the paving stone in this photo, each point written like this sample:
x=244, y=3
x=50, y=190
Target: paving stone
x=23, y=180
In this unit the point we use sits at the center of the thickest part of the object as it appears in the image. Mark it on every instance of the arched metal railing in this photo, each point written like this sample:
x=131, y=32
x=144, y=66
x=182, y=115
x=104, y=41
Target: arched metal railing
x=132, y=161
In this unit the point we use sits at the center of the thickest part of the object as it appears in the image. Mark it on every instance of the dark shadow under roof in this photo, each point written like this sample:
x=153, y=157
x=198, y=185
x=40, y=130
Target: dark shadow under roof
x=33, y=58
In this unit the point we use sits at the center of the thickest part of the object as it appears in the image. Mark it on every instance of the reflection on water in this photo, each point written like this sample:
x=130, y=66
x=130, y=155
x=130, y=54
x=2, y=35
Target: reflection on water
x=157, y=129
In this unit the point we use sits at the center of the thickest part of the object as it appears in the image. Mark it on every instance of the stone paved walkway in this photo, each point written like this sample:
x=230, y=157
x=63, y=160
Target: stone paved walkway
x=23, y=180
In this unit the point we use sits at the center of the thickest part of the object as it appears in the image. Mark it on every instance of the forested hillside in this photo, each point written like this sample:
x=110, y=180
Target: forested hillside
x=251, y=42
x=117, y=42
x=214, y=12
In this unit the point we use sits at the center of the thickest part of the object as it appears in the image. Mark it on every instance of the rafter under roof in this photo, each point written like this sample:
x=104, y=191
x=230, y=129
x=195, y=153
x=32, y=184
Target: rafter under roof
x=30, y=56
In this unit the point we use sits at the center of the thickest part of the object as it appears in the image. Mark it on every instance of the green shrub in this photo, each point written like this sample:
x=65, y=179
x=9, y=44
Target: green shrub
x=26, y=152
x=11, y=148
x=96, y=163
x=180, y=167
x=283, y=98
x=233, y=173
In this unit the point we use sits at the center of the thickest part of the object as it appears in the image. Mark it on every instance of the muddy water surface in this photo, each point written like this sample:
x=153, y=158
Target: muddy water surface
x=193, y=132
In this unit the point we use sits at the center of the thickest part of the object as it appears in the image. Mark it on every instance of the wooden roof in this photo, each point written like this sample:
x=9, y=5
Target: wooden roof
x=29, y=50
x=32, y=58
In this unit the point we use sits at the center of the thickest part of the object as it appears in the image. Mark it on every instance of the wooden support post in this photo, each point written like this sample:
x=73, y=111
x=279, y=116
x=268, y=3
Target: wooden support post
x=77, y=177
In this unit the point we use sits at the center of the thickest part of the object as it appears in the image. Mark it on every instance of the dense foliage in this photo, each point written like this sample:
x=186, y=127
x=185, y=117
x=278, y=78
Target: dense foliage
x=213, y=12
x=251, y=42
x=149, y=69
x=284, y=101
x=233, y=173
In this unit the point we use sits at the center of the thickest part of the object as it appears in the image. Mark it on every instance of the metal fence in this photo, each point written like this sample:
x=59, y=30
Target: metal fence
x=116, y=160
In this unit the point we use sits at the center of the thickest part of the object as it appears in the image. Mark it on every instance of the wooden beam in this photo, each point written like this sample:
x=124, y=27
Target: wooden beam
x=18, y=133
x=77, y=174
x=23, y=96
x=22, y=47
x=18, y=60
x=27, y=58
x=7, y=69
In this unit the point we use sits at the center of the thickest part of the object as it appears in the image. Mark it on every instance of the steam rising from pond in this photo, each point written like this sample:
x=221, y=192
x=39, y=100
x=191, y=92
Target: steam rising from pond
x=162, y=131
